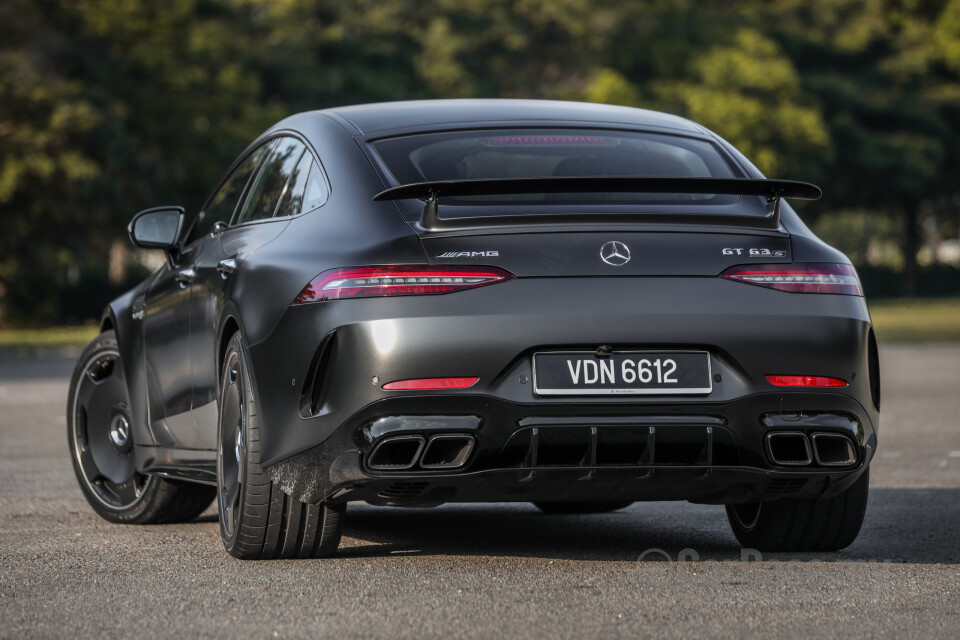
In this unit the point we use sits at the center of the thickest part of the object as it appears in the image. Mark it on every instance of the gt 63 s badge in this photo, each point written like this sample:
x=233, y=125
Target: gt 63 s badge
x=756, y=253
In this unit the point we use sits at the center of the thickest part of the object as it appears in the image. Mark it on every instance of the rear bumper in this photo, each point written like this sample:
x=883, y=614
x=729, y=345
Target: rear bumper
x=715, y=454
x=319, y=453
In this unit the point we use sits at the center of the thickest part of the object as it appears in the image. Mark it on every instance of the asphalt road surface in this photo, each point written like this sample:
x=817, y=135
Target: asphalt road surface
x=488, y=571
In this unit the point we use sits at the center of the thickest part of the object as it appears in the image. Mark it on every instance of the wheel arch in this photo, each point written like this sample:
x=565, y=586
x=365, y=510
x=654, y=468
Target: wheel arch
x=230, y=323
x=108, y=322
x=229, y=326
x=119, y=317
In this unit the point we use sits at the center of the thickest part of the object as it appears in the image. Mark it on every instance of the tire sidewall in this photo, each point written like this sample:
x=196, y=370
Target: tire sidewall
x=246, y=399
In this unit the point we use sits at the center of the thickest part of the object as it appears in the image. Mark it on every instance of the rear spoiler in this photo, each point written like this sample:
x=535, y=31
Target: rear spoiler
x=772, y=190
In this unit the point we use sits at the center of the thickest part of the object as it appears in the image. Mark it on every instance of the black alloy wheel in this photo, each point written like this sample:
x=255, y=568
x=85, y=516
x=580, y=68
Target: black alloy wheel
x=232, y=454
x=100, y=435
x=101, y=438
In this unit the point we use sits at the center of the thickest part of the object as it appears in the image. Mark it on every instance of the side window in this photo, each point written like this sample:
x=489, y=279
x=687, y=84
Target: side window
x=292, y=198
x=221, y=206
x=316, y=192
x=269, y=182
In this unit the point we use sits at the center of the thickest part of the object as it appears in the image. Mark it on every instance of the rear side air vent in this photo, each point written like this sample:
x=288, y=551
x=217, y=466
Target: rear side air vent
x=311, y=396
x=873, y=362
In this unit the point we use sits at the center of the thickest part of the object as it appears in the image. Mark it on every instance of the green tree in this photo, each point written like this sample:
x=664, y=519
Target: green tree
x=109, y=106
x=885, y=73
x=749, y=92
x=105, y=108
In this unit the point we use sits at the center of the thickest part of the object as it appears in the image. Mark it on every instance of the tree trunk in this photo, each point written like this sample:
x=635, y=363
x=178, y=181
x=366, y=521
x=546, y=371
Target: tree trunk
x=117, y=262
x=911, y=240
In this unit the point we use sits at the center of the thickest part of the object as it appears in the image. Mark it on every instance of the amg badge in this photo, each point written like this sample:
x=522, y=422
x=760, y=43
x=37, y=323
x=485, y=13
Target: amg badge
x=469, y=254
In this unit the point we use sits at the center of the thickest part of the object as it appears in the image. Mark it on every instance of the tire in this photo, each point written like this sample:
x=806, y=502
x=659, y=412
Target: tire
x=258, y=520
x=802, y=525
x=594, y=506
x=100, y=438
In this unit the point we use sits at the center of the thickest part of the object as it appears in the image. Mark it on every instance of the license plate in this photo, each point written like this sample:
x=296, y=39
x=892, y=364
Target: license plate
x=624, y=372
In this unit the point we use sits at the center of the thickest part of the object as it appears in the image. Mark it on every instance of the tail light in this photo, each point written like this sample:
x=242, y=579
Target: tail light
x=799, y=278
x=806, y=381
x=397, y=280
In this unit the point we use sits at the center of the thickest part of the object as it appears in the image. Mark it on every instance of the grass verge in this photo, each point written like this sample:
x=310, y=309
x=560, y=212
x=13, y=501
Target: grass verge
x=52, y=338
x=916, y=320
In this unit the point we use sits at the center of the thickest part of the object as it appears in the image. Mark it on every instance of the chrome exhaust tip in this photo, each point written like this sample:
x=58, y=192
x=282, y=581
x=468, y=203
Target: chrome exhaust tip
x=447, y=451
x=789, y=448
x=833, y=449
x=397, y=453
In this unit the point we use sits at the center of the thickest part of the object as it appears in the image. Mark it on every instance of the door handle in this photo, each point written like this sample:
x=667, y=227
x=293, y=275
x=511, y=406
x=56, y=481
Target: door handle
x=226, y=267
x=185, y=277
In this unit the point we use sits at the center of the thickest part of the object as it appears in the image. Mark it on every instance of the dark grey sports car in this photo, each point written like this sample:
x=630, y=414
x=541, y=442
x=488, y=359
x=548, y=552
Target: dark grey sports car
x=408, y=304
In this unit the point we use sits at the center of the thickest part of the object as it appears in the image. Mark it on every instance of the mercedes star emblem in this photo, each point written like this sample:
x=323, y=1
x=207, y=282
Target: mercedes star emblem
x=615, y=253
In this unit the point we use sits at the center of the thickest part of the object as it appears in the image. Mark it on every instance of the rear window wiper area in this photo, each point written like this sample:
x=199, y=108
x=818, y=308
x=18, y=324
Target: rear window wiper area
x=430, y=192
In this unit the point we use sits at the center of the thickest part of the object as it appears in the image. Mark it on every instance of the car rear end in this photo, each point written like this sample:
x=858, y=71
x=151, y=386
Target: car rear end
x=662, y=357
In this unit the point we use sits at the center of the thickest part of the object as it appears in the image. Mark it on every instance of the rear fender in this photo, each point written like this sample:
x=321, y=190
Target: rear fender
x=230, y=322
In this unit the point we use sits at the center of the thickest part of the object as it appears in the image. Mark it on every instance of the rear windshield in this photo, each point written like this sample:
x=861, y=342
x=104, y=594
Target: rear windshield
x=528, y=153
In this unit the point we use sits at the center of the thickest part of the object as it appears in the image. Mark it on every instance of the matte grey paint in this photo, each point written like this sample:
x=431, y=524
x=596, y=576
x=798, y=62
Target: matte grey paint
x=666, y=297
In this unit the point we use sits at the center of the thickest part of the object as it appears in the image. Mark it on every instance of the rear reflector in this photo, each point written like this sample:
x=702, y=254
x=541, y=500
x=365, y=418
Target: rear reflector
x=419, y=384
x=799, y=278
x=397, y=280
x=806, y=381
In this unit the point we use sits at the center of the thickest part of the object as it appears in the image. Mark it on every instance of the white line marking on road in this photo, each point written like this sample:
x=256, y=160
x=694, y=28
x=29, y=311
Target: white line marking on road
x=955, y=454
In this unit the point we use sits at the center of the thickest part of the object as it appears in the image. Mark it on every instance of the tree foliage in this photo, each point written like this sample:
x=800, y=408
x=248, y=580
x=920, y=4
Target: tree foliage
x=109, y=106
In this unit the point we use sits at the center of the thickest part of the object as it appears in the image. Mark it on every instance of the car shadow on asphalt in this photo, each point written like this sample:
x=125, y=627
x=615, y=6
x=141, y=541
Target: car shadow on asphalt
x=913, y=525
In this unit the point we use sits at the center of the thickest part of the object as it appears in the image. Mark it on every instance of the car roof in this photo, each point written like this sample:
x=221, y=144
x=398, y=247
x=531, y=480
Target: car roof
x=428, y=114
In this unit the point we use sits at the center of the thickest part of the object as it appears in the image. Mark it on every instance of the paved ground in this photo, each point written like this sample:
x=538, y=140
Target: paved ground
x=492, y=570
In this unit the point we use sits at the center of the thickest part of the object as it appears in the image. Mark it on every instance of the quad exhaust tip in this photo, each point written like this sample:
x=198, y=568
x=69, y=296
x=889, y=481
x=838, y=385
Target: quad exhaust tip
x=397, y=453
x=447, y=451
x=833, y=450
x=441, y=451
x=796, y=449
x=789, y=448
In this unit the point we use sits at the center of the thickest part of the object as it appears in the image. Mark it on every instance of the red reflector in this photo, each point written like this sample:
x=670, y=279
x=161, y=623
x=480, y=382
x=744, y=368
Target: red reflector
x=430, y=383
x=397, y=280
x=799, y=278
x=805, y=381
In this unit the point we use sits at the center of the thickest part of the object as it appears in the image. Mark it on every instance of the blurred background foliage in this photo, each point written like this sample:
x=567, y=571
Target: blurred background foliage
x=111, y=106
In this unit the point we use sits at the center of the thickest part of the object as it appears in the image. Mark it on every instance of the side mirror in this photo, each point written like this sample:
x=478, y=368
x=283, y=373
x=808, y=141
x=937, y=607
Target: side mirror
x=157, y=228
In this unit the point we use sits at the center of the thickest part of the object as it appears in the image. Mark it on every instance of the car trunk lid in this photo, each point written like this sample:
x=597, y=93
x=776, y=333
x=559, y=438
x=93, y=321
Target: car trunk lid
x=608, y=253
